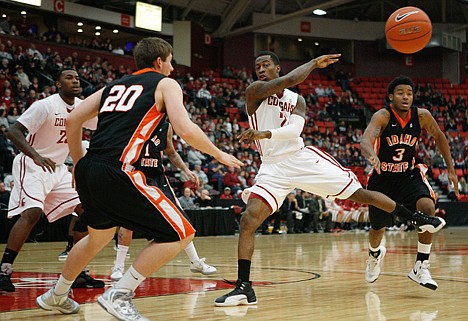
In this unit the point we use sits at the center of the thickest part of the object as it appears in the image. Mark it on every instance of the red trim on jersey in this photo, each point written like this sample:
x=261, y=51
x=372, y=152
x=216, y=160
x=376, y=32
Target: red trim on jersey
x=263, y=188
x=189, y=230
x=253, y=195
x=142, y=71
x=342, y=191
x=55, y=208
x=152, y=115
x=402, y=121
x=254, y=125
x=31, y=139
x=423, y=169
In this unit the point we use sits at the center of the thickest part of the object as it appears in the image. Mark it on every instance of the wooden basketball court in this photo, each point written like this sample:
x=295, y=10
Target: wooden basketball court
x=299, y=277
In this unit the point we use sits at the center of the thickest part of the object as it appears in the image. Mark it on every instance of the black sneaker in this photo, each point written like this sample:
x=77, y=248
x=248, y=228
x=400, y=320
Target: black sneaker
x=63, y=256
x=243, y=294
x=426, y=223
x=5, y=283
x=85, y=280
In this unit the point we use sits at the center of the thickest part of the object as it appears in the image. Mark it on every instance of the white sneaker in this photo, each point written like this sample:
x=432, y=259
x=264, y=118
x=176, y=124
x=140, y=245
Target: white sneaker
x=420, y=274
x=117, y=273
x=118, y=302
x=50, y=301
x=373, y=265
x=201, y=267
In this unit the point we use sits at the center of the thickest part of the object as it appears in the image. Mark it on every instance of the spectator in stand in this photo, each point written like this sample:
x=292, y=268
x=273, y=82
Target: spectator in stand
x=195, y=157
x=204, y=95
x=3, y=118
x=204, y=200
x=462, y=186
x=5, y=25
x=320, y=91
x=6, y=99
x=186, y=200
x=201, y=174
x=226, y=195
x=231, y=179
x=23, y=77
x=4, y=195
x=216, y=173
x=118, y=51
x=319, y=212
x=13, y=114
x=450, y=126
x=7, y=153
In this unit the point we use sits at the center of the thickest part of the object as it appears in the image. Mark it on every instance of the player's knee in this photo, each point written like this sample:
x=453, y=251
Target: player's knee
x=31, y=216
x=249, y=220
x=426, y=206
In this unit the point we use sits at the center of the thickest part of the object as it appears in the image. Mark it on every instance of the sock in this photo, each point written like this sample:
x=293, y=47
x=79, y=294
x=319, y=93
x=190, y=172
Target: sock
x=424, y=250
x=192, y=252
x=70, y=242
x=9, y=257
x=121, y=254
x=375, y=252
x=402, y=211
x=131, y=280
x=243, y=272
x=62, y=286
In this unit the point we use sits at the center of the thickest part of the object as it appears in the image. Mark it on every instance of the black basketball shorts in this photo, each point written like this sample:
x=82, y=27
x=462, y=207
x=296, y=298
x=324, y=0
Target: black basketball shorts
x=404, y=189
x=113, y=197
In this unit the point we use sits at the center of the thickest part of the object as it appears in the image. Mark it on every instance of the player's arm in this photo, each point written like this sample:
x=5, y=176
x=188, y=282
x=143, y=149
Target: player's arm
x=292, y=130
x=373, y=131
x=169, y=94
x=256, y=92
x=429, y=123
x=88, y=109
x=17, y=135
x=175, y=158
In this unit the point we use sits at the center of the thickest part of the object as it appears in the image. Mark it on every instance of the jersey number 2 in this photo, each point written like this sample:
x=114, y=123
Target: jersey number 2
x=121, y=98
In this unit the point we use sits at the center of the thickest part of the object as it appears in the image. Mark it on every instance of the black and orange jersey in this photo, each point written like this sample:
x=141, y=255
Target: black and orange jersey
x=127, y=117
x=150, y=161
x=396, y=147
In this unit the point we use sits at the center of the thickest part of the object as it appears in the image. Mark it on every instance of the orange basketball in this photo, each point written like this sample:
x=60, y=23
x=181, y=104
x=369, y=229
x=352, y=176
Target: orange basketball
x=408, y=30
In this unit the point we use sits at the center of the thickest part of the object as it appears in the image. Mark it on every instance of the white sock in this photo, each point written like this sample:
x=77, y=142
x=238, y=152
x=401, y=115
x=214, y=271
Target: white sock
x=192, y=252
x=120, y=257
x=374, y=249
x=424, y=248
x=130, y=280
x=62, y=286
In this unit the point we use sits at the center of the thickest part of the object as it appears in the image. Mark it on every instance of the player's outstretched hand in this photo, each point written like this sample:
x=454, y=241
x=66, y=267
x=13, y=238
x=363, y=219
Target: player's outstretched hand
x=249, y=135
x=453, y=179
x=45, y=163
x=229, y=160
x=325, y=60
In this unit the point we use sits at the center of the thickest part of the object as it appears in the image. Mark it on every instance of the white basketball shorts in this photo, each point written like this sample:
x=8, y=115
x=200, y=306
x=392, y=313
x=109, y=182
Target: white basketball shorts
x=309, y=169
x=51, y=192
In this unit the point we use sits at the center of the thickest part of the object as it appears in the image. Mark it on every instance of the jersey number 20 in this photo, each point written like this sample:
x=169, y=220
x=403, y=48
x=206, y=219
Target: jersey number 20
x=121, y=98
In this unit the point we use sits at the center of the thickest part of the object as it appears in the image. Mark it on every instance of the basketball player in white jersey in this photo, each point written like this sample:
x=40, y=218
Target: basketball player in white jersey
x=43, y=183
x=276, y=118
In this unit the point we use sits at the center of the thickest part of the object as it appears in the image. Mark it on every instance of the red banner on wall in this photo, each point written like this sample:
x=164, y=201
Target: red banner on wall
x=59, y=6
x=125, y=20
x=305, y=26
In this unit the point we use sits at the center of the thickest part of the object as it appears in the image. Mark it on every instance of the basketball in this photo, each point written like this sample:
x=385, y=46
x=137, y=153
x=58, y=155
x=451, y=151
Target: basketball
x=408, y=30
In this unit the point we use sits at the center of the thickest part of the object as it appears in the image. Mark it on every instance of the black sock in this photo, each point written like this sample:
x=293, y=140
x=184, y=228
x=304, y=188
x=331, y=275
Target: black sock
x=374, y=254
x=243, y=272
x=422, y=257
x=402, y=211
x=70, y=242
x=9, y=256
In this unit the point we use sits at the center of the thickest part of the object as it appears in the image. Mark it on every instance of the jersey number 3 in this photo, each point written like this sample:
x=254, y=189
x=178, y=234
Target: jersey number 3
x=121, y=98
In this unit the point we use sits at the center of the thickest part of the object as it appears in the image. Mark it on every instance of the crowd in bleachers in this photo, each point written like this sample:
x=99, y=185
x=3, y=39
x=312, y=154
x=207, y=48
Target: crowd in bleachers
x=215, y=101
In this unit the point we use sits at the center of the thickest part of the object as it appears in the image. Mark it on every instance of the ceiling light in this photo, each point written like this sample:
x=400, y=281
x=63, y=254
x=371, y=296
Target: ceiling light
x=79, y=30
x=115, y=31
x=3, y=15
x=23, y=12
x=316, y=43
x=97, y=33
x=98, y=27
x=299, y=39
x=79, y=24
x=319, y=12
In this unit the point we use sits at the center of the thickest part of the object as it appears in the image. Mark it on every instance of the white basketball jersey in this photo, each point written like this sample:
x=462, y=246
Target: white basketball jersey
x=274, y=112
x=45, y=121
